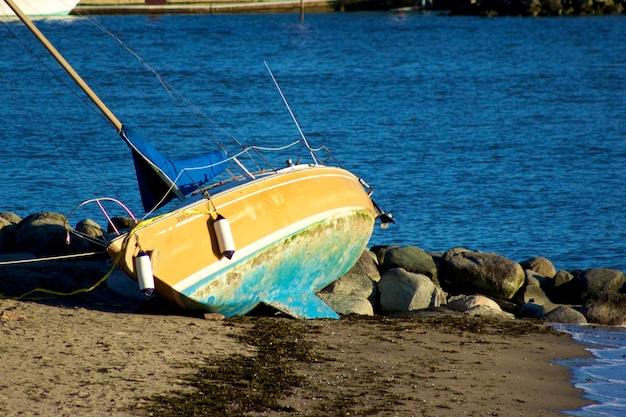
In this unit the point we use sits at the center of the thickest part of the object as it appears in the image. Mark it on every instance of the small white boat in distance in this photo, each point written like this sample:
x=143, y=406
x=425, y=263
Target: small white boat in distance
x=40, y=7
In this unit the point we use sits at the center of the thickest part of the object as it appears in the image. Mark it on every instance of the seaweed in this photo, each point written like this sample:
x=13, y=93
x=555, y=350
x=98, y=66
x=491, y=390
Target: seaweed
x=238, y=385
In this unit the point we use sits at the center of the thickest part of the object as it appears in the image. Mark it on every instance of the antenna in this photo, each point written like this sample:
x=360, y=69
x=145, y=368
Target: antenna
x=306, y=142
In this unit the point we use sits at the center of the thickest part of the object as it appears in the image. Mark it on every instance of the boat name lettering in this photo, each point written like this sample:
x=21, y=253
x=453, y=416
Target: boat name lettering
x=183, y=216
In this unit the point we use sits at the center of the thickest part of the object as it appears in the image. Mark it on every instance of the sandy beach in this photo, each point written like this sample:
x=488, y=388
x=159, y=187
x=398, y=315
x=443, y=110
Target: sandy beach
x=60, y=360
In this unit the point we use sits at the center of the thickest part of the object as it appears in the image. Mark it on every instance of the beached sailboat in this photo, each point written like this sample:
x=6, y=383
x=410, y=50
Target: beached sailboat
x=242, y=236
x=40, y=8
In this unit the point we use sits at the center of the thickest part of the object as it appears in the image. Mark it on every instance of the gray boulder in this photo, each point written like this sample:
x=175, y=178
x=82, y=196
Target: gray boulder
x=44, y=234
x=564, y=314
x=353, y=284
x=121, y=224
x=606, y=308
x=565, y=288
x=600, y=280
x=488, y=311
x=347, y=304
x=477, y=305
x=380, y=252
x=10, y=217
x=465, y=303
x=540, y=265
x=411, y=259
x=483, y=273
x=403, y=291
x=366, y=265
x=90, y=228
x=532, y=310
x=8, y=232
x=532, y=291
x=359, y=281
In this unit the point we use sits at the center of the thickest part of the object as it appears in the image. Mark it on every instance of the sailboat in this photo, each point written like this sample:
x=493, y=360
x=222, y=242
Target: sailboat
x=242, y=235
x=40, y=8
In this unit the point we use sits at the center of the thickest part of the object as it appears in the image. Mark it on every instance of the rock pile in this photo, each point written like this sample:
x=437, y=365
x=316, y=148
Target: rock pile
x=408, y=279
x=385, y=280
x=536, y=7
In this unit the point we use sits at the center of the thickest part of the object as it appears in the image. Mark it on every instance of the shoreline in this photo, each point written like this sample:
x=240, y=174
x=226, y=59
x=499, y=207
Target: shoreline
x=454, y=7
x=237, y=6
x=90, y=361
x=216, y=7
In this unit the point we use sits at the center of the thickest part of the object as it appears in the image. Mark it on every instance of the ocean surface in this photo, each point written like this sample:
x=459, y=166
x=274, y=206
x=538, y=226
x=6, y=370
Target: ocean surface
x=602, y=377
x=505, y=135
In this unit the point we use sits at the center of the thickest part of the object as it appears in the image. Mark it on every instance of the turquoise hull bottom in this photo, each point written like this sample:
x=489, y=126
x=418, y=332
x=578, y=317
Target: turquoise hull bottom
x=286, y=273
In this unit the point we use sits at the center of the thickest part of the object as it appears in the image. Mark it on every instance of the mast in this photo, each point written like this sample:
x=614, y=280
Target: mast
x=66, y=66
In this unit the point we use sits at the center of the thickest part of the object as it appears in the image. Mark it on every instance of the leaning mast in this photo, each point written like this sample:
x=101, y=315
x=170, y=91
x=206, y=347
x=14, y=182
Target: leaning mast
x=66, y=66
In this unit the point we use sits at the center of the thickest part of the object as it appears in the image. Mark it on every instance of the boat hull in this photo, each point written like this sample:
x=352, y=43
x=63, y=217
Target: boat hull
x=295, y=232
x=40, y=7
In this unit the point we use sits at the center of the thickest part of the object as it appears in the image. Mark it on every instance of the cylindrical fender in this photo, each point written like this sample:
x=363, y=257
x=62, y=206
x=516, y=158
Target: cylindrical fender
x=224, y=235
x=143, y=269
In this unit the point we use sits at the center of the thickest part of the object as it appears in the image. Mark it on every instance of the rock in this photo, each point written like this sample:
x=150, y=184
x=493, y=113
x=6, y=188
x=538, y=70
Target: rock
x=564, y=314
x=348, y=304
x=540, y=265
x=8, y=232
x=536, y=7
x=44, y=234
x=606, y=308
x=411, y=259
x=90, y=228
x=353, y=284
x=508, y=305
x=403, y=291
x=465, y=303
x=121, y=223
x=477, y=305
x=380, y=251
x=532, y=310
x=565, y=289
x=366, y=265
x=359, y=281
x=532, y=292
x=600, y=280
x=9, y=315
x=10, y=217
x=488, y=311
x=530, y=7
x=214, y=317
x=484, y=273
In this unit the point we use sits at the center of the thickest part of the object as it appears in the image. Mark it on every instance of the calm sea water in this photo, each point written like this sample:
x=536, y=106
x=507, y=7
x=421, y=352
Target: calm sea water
x=504, y=135
x=603, y=377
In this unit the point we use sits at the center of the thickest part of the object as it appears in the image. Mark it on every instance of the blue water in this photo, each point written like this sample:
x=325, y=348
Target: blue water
x=504, y=135
x=603, y=377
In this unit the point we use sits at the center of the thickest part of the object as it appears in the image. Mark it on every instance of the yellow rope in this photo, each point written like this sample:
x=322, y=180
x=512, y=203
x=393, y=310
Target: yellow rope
x=108, y=274
x=63, y=294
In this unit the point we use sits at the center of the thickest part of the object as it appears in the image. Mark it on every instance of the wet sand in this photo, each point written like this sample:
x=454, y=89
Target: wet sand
x=82, y=361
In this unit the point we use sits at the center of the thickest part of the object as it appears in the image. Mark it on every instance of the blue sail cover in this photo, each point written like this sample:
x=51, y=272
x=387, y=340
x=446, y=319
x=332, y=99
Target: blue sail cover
x=161, y=179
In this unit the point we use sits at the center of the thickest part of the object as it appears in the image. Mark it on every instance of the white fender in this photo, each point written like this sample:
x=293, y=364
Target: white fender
x=143, y=269
x=224, y=236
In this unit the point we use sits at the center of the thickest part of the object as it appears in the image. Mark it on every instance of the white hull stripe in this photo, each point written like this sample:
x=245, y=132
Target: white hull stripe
x=242, y=253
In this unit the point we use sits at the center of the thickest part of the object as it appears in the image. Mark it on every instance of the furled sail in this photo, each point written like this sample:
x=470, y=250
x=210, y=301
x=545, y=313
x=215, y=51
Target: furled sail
x=161, y=179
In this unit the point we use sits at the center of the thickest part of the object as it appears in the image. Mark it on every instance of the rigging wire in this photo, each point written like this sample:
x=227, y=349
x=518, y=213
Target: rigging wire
x=181, y=102
x=178, y=98
x=94, y=165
